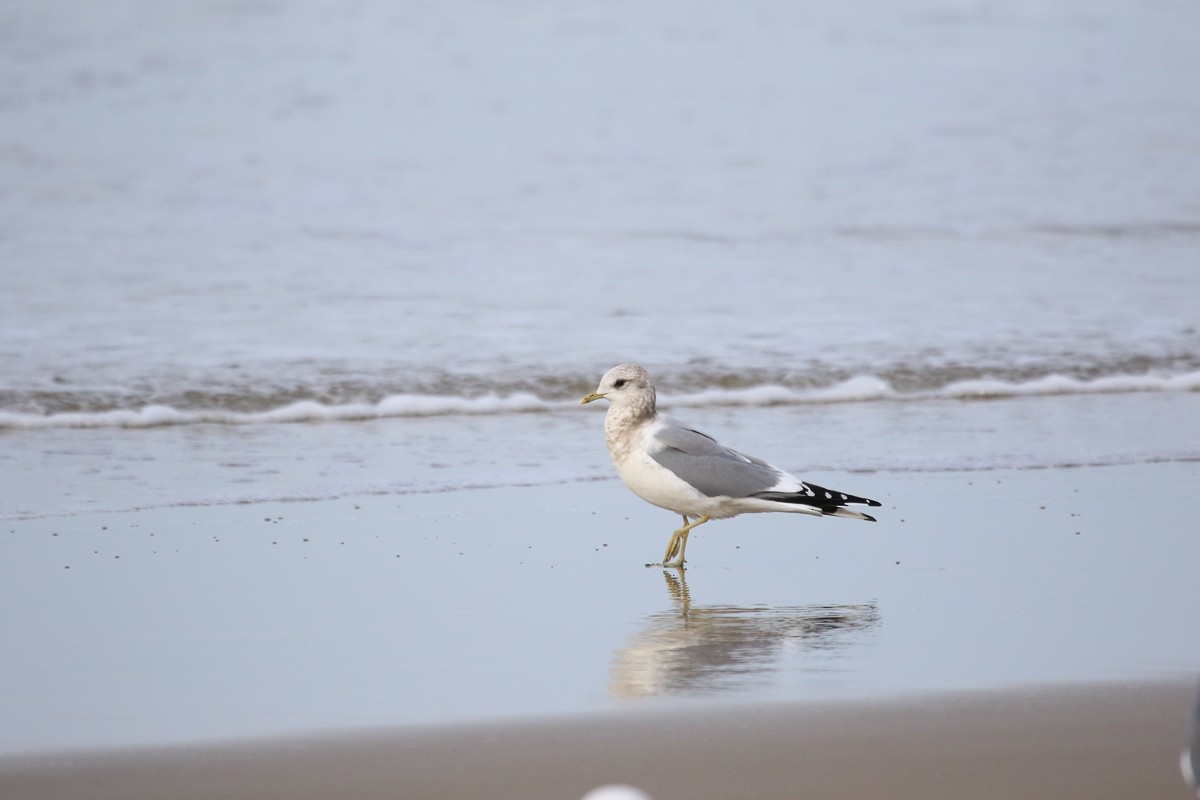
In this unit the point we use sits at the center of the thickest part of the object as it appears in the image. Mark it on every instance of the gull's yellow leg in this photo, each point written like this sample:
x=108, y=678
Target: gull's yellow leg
x=676, y=538
x=672, y=545
x=678, y=542
x=672, y=548
x=680, y=546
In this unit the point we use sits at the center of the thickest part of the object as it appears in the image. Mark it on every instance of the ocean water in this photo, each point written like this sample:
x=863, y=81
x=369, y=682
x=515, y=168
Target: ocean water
x=227, y=224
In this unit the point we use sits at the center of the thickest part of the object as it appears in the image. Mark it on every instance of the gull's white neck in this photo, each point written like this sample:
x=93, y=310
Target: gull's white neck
x=620, y=423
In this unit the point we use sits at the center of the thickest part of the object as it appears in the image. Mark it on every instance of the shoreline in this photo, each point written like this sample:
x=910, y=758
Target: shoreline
x=1096, y=741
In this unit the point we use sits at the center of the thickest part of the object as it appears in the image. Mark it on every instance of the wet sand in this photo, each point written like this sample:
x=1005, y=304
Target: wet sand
x=1115, y=741
x=509, y=643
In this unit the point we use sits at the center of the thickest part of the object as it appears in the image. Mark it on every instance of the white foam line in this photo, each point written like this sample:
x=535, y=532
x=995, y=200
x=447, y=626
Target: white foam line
x=863, y=388
x=867, y=388
x=858, y=389
x=301, y=411
x=1062, y=384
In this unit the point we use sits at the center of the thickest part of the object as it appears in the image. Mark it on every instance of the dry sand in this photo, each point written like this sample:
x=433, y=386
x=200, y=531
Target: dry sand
x=1103, y=741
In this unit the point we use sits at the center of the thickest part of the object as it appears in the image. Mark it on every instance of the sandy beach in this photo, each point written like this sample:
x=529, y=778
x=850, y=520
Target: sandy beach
x=1105, y=741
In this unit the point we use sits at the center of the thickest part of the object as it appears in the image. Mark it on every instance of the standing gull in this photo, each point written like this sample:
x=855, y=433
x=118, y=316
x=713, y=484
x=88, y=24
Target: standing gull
x=690, y=473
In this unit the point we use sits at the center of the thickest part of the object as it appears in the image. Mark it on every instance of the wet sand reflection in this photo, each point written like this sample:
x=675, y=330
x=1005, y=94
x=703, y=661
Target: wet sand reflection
x=696, y=649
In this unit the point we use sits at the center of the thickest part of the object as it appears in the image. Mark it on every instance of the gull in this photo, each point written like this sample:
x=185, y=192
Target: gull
x=683, y=470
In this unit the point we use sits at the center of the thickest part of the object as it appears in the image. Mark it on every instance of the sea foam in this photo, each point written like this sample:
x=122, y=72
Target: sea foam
x=858, y=389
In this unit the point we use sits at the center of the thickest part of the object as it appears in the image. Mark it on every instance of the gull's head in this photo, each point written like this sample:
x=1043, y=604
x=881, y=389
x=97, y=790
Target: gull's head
x=624, y=385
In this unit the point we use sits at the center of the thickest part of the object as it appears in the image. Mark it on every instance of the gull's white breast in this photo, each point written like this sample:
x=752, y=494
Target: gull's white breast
x=656, y=484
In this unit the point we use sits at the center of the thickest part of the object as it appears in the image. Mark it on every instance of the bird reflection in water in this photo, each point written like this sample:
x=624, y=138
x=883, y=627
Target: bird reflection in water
x=707, y=649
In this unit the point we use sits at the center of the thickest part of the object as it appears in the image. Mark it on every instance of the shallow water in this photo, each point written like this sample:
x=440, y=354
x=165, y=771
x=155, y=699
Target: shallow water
x=185, y=624
x=62, y=471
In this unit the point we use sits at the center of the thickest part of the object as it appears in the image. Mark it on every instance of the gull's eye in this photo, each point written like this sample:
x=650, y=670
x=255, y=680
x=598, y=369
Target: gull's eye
x=620, y=383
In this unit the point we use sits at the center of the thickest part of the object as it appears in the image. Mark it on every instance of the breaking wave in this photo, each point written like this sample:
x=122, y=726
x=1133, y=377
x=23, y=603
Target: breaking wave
x=869, y=388
x=858, y=389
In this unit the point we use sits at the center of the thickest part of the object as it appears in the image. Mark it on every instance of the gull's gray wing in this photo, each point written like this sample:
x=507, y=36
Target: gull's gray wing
x=713, y=469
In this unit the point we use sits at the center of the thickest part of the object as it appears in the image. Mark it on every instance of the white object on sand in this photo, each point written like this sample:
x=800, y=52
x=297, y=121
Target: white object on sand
x=688, y=472
x=1189, y=759
x=617, y=791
